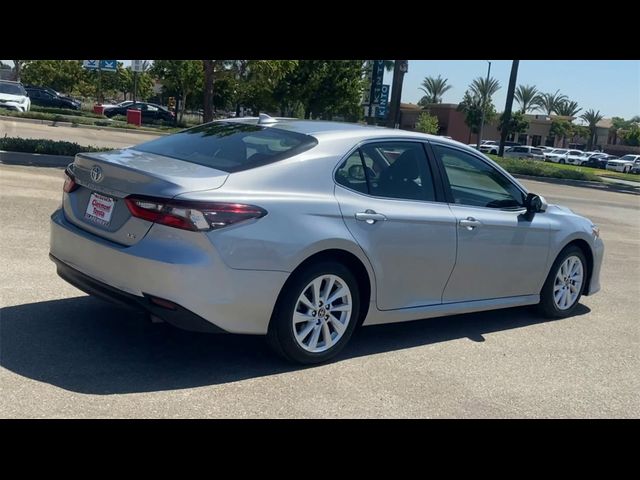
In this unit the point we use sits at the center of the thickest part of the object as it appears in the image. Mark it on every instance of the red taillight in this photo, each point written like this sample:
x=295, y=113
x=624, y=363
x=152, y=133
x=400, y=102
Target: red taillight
x=196, y=216
x=69, y=181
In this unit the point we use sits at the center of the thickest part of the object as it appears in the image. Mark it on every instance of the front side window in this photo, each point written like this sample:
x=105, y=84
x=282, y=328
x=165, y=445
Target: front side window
x=390, y=170
x=474, y=182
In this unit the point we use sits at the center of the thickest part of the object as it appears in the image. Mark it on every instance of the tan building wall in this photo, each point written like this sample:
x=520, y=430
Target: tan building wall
x=452, y=124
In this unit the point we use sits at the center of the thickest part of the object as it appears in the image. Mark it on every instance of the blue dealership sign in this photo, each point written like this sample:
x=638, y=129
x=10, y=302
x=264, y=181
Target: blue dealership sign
x=109, y=65
x=384, y=102
x=91, y=64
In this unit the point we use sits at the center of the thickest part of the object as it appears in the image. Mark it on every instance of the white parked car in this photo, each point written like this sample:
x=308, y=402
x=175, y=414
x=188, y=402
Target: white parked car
x=564, y=155
x=13, y=96
x=493, y=146
x=526, y=151
x=557, y=155
x=577, y=157
x=624, y=164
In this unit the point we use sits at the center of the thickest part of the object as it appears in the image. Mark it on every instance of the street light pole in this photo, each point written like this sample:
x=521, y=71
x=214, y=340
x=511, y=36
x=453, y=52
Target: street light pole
x=482, y=106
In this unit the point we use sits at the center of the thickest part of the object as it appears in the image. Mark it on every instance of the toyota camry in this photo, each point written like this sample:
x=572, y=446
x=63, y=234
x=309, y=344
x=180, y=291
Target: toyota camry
x=304, y=230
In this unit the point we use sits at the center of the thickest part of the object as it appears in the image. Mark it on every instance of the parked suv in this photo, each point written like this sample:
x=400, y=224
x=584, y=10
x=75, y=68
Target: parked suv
x=47, y=97
x=494, y=146
x=624, y=164
x=13, y=96
x=525, y=151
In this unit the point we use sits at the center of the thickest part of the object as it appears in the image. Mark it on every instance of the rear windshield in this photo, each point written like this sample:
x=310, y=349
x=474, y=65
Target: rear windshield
x=12, y=88
x=230, y=146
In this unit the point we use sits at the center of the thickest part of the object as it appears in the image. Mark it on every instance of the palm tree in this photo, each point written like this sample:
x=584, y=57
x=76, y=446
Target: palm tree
x=592, y=118
x=434, y=89
x=484, y=88
x=528, y=98
x=549, y=102
x=568, y=108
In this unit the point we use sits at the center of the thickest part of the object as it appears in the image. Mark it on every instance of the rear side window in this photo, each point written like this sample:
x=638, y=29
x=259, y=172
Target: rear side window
x=230, y=146
x=388, y=169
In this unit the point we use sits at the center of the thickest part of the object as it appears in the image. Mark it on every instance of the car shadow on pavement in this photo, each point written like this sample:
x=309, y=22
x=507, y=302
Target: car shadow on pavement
x=85, y=345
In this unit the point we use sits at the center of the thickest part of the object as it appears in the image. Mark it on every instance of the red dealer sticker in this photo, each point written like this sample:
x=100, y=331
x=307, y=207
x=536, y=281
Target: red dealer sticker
x=99, y=209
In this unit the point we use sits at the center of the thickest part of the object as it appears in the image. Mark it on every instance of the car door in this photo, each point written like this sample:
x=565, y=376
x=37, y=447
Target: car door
x=502, y=250
x=149, y=112
x=396, y=213
x=48, y=100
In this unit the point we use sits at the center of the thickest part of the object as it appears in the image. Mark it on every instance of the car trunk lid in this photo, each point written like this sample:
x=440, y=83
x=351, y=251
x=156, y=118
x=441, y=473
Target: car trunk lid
x=105, y=179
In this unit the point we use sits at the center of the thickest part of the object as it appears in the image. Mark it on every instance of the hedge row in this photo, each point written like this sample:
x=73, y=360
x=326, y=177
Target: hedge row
x=539, y=168
x=65, y=111
x=46, y=147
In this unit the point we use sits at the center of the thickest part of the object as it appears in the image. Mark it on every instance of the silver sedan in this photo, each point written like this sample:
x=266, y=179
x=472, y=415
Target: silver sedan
x=304, y=230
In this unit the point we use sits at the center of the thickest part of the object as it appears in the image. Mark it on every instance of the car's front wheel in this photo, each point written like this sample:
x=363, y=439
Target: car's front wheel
x=564, y=285
x=315, y=314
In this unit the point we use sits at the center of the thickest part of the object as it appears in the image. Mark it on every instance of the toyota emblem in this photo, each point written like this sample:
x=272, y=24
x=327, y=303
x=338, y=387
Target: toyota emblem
x=96, y=174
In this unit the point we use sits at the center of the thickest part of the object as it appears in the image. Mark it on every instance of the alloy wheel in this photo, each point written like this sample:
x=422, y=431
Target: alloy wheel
x=568, y=283
x=322, y=313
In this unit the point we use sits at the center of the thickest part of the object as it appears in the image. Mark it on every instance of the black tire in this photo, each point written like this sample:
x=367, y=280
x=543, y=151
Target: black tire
x=547, y=305
x=562, y=161
x=281, y=337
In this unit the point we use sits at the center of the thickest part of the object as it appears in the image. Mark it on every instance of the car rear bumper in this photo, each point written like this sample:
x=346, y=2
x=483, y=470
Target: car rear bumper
x=175, y=265
x=173, y=314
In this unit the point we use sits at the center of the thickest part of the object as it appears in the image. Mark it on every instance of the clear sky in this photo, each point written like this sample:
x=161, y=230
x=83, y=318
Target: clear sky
x=611, y=86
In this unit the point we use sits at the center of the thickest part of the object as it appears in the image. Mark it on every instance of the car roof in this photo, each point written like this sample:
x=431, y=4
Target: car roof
x=329, y=129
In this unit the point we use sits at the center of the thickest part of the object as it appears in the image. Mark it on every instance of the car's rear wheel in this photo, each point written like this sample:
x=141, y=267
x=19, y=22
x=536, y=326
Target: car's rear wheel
x=565, y=283
x=561, y=161
x=316, y=314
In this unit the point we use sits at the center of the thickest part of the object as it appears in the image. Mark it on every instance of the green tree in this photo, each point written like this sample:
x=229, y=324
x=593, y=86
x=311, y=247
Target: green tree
x=182, y=77
x=568, y=108
x=484, y=88
x=322, y=89
x=259, y=80
x=592, y=118
x=561, y=129
x=212, y=70
x=472, y=107
x=517, y=123
x=434, y=88
x=550, y=102
x=631, y=136
x=528, y=97
x=427, y=123
x=17, y=69
x=61, y=75
x=126, y=83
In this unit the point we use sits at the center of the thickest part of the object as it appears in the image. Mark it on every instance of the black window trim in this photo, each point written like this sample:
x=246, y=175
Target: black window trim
x=435, y=174
x=473, y=153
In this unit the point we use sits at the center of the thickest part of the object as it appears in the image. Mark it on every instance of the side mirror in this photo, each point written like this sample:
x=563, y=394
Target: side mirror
x=535, y=203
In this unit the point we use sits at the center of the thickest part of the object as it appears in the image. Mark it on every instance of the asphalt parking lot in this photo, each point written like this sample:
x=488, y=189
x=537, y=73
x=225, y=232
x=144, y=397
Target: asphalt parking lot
x=65, y=355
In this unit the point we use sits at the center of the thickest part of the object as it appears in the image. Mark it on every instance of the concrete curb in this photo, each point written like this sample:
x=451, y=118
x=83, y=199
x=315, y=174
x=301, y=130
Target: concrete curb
x=34, y=159
x=69, y=124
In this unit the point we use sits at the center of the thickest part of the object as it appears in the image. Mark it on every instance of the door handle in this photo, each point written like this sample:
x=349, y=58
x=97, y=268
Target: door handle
x=470, y=223
x=370, y=216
